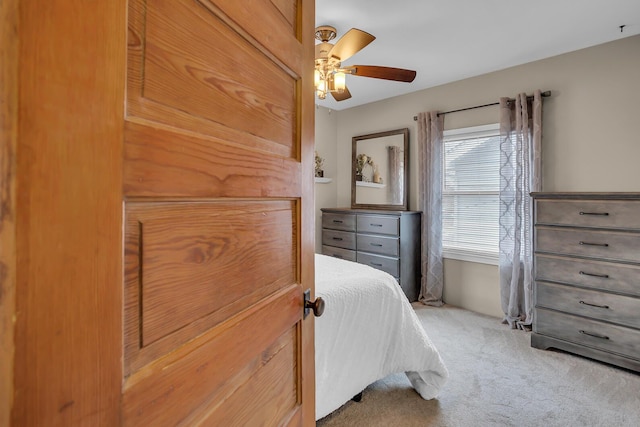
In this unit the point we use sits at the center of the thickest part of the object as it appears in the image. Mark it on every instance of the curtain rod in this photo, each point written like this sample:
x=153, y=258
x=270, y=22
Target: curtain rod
x=544, y=94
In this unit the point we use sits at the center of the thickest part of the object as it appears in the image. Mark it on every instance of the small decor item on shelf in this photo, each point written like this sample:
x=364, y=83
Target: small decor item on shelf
x=363, y=161
x=319, y=163
x=376, y=175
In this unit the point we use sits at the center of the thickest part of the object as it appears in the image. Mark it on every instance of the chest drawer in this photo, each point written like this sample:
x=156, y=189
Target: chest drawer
x=341, y=253
x=390, y=265
x=621, y=278
x=589, y=213
x=335, y=221
x=589, y=243
x=591, y=333
x=377, y=244
x=378, y=224
x=341, y=239
x=612, y=308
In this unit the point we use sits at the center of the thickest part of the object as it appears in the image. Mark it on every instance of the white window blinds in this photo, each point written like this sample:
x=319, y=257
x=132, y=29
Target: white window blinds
x=470, y=194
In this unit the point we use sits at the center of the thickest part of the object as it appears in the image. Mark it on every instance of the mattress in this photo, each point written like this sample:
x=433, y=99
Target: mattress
x=368, y=331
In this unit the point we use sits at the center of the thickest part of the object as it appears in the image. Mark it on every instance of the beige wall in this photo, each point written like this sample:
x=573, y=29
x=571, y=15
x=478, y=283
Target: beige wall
x=590, y=142
x=326, y=194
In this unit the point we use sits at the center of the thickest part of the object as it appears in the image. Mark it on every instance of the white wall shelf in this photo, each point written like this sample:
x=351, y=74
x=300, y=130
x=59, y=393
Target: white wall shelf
x=323, y=180
x=369, y=184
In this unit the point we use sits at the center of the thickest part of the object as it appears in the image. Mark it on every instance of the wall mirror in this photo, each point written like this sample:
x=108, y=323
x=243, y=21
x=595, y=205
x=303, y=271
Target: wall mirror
x=379, y=170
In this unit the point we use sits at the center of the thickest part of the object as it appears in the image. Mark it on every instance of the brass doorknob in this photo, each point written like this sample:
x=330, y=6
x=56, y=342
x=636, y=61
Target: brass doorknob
x=317, y=306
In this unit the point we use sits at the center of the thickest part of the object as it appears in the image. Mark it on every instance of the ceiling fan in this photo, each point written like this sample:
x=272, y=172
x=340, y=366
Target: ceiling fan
x=330, y=75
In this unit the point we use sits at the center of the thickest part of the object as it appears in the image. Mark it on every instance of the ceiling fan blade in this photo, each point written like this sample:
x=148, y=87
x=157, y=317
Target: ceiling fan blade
x=386, y=73
x=353, y=41
x=341, y=96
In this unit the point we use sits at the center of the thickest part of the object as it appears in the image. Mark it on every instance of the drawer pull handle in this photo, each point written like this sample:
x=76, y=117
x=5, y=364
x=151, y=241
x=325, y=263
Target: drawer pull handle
x=337, y=221
x=376, y=225
x=337, y=256
x=604, y=245
x=602, y=276
x=376, y=264
x=337, y=238
x=376, y=244
x=595, y=213
x=594, y=305
x=591, y=334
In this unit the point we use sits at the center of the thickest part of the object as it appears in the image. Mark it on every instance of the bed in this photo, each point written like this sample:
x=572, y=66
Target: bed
x=368, y=331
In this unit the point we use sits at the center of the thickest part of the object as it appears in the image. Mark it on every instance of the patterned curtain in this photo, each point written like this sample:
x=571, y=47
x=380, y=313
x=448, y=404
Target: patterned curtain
x=430, y=203
x=396, y=175
x=520, y=167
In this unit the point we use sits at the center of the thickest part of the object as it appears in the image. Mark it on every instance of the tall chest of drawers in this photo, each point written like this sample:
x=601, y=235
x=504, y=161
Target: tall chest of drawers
x=386, y=240
x=587, y=275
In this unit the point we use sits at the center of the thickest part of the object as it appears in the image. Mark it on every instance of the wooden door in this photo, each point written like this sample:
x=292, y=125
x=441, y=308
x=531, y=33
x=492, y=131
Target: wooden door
x=165, y=213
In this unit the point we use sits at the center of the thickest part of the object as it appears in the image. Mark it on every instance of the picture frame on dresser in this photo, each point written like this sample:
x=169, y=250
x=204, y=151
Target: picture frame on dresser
x=587, y=275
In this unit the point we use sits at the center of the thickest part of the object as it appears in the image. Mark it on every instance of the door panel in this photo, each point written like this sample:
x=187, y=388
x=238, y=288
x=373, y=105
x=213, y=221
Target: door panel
x=159, y=161
x=194, y=62
x=197, y=380
x=68, y=169
x=163, y=212
x=279, y=25
x=190, y=66
x=218, y=186
x=8, y=145
x=216, y=258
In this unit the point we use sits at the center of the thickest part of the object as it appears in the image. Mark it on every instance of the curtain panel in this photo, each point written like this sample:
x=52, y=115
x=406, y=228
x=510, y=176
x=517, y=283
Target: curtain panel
x=520, y=174
x=430, y=127
x=396, y=175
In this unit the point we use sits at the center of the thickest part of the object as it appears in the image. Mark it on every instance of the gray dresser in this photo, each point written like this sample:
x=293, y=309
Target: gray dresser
x=387, y=240
x=587, y=275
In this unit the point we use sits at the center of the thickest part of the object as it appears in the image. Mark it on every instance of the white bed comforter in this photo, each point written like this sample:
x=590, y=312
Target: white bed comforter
x=368, y=331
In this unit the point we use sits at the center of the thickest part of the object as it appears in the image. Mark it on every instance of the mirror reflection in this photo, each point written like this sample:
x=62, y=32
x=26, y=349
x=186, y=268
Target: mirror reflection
x=379, y=172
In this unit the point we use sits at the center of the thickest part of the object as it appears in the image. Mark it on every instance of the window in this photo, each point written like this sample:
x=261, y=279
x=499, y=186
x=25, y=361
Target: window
x=470, y=194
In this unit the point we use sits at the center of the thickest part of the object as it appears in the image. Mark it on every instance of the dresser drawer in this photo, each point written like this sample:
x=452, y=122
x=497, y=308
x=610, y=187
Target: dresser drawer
x=609, y=276
x=589, y=213
x=603, y=336
x=378, y=244
x=390, y=265
x=379, y=225
x=341, y=239
x=590, y=243
x=347, y=254
x=597, y=305
x=336, y=221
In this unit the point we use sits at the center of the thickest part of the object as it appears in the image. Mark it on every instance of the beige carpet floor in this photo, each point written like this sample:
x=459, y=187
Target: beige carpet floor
x=497, y=379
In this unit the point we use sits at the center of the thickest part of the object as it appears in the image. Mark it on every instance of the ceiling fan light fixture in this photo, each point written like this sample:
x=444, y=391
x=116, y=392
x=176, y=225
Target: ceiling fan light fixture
x=339, y=81
x=321, y=89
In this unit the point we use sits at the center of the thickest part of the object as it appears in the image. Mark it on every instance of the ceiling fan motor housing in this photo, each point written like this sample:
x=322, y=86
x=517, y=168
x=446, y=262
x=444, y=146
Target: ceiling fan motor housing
x=322, y=50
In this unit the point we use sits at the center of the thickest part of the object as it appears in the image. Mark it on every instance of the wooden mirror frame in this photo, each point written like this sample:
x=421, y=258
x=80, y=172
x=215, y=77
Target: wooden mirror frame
x=372, y=136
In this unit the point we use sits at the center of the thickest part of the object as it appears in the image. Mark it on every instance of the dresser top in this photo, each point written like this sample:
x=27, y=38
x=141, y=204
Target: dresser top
x=584, y=195
x=369, y=211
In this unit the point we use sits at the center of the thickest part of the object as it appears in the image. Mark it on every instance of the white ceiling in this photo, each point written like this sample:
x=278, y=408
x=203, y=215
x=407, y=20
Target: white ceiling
x=450, y=40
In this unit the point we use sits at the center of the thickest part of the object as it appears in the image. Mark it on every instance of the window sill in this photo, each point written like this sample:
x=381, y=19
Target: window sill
x=471, y=256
